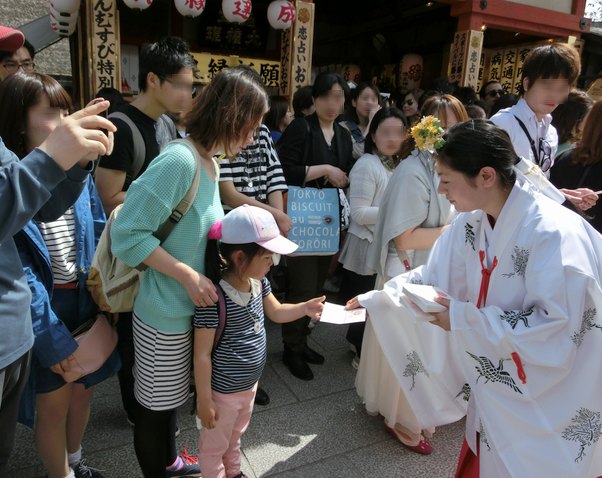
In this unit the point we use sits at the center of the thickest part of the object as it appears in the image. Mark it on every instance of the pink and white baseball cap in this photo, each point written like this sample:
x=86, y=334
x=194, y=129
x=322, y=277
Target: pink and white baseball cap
x=10, y=39
x=246, y=224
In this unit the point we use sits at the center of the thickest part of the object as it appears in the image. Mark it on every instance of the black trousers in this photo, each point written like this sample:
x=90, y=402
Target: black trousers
x=354, y=284
x=13, y=379
x=306, y=276
x=154, y=440
x=125, y=347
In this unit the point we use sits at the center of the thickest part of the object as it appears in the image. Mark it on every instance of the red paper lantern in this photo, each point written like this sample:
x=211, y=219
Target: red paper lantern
x=237, y=11
x=190, y=8
x=281, y=14
x=138, y=4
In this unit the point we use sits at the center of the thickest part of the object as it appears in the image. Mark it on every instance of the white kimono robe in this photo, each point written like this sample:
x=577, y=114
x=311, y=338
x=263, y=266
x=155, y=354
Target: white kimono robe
x=527, y=361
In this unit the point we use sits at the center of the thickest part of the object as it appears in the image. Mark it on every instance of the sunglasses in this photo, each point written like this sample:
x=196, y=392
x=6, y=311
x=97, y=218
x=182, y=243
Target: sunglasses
x=545, y=155
x=408, y=102
x=494, y=93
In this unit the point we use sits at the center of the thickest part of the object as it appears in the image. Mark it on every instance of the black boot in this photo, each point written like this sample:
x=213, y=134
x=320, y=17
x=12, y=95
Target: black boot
x=311, y=356
x=261, y=397
x=296, y=365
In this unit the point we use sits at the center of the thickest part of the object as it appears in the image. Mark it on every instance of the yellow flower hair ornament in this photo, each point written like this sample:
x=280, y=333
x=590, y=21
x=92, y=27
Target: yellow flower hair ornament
x=428, y=134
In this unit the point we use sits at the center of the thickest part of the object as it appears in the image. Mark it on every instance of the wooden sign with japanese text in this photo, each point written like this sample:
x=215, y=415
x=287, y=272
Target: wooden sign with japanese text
x=103, y=45
x=471, y=59
x=210, y=65
x=296, y=50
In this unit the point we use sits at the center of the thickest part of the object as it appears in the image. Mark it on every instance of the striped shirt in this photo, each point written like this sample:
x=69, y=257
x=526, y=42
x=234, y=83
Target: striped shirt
x=256, y=171
x=239, y=358
x=59, y=237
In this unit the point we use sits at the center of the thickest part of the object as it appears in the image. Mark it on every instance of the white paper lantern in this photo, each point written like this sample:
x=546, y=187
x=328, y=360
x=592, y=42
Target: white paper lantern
x=65, y=6
x=190, y=8
x=281, y=14
x=62, y=18
x=138, y=4
x=410, y=72
x=237, y=11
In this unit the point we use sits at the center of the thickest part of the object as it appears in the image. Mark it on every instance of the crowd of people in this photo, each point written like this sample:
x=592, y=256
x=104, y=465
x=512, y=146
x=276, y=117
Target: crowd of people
x=500, y=213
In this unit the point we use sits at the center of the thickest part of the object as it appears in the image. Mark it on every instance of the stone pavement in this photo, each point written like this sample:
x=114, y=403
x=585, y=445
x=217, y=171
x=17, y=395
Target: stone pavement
x=316, y=429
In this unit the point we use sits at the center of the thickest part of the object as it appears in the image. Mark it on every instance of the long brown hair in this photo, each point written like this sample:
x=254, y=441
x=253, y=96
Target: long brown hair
x=18, y=94
x=437, y=106
x=227, y=108
x=589, y=150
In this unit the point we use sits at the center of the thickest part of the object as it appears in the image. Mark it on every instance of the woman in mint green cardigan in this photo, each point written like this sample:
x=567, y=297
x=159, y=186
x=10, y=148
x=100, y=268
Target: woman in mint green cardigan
x=224, y=118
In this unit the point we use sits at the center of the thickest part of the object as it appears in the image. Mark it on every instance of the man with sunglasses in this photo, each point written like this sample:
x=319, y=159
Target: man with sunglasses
x=548, y=74
x=489, y=93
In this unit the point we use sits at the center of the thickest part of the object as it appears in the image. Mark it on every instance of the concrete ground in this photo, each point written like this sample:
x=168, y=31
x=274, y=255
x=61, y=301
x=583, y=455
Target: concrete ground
x=316, y=429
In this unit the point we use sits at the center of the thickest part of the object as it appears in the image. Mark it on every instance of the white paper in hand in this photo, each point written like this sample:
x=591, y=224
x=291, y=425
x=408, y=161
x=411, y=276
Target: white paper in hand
x=423, y=296
x=336, y=314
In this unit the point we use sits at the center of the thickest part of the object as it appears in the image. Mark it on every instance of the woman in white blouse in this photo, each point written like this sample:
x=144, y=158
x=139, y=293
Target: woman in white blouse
x=367, y=182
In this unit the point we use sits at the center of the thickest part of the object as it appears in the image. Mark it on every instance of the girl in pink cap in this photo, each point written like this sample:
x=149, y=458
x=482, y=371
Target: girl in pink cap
x=229, y=337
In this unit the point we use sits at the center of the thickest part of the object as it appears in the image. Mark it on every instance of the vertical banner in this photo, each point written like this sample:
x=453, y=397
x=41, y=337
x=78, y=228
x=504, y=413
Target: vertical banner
x=521, y=54
x=456, y=57
x=296, y=52
x=508, y=70
x=471, y=59
x=496, y=61
x=103, y=45
x=482, y=71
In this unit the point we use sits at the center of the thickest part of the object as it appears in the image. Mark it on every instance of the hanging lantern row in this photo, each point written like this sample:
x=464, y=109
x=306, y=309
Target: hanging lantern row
x=63, y=16
x=281, y=13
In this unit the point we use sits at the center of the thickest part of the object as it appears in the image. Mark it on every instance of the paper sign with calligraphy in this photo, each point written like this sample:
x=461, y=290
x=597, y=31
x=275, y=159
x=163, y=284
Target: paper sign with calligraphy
x=456, y=57
x=298, y=54
x=210, y=65
x=508, y=70
x=104, y=45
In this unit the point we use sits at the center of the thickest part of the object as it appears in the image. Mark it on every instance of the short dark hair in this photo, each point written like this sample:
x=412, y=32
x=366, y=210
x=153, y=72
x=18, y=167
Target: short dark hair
x=277, y=111
x=114, y=96
x=379, y=117
x=164, y=58
x=569, y=114
x=466, y=94
x=302, y=100
x=228, y=107
x=556, y=60
x=474, y=144
x=324, y=83
x=504, y=101
x=18, y=94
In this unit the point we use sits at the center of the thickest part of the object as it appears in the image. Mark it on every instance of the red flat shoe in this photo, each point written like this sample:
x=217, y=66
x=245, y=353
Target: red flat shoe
x=423, y=447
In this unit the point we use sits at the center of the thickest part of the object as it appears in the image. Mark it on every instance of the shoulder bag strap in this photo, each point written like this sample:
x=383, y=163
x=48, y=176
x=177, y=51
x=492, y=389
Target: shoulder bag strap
x=308, y=145
x=221, y=315
x=186, y=202
x=138, y=141
x=531, y=142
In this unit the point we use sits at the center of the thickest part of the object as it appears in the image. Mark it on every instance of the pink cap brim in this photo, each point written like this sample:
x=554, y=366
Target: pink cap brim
x=279, y=245
x=10, y=39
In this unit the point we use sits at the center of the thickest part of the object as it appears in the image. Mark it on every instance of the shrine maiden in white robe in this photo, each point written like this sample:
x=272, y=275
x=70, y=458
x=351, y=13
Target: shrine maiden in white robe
x=526, y=362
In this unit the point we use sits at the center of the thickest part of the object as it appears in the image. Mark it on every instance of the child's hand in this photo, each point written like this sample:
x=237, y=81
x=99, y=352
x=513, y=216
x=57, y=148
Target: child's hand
x=208, y=414
x=313, y=307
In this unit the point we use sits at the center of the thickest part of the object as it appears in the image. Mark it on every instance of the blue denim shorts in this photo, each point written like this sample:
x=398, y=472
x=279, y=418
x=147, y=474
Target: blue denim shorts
x=73, y=307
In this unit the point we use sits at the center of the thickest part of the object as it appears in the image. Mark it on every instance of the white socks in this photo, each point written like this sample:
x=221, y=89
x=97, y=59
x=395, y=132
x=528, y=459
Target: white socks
x=74, y=458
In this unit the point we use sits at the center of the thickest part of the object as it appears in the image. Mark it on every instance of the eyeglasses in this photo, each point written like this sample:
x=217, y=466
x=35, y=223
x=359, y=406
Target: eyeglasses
x=408, y=103
x=545, y=155
x=182, y=86
x=494, y=93
x=13, y=66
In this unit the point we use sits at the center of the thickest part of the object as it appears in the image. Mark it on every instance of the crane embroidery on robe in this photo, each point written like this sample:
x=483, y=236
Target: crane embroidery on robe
x=486, y=369
x=520, y=257
x=465, y=392
x=585, y=430
x=414, y=367
x=469, y=235
x=587, y=323
x=514, y=316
